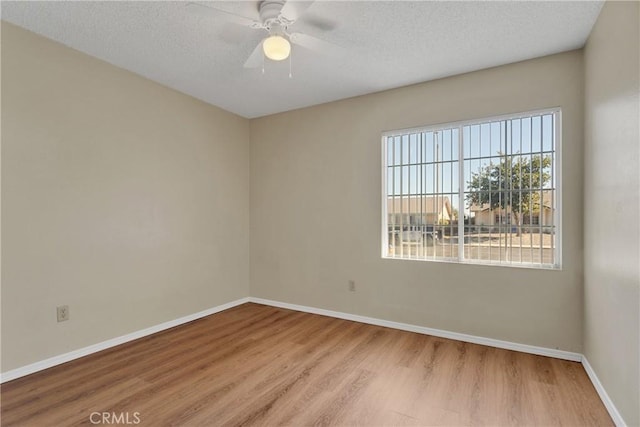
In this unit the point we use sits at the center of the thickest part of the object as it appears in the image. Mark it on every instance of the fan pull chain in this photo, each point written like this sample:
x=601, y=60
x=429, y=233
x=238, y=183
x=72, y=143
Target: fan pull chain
x=290, y=74
x=263, y=64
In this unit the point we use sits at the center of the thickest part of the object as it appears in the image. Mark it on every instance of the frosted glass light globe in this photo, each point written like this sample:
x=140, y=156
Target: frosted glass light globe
x=276, y=48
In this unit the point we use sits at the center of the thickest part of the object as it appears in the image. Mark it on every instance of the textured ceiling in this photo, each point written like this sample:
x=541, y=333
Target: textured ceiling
x=387, y=44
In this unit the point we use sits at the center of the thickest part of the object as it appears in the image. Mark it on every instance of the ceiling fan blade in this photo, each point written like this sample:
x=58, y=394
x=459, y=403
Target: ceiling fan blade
x=319, y=23
x=256, y=58
x=228, y=16
x=292, y=9
x=316, y=44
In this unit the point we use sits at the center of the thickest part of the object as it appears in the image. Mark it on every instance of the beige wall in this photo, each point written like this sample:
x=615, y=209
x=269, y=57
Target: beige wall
x=121, y=198
x=130, y=202
x=316, y=210
x=612, y=190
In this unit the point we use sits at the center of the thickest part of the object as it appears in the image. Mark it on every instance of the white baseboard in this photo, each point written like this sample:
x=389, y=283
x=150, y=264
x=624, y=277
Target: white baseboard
x=541, y=351
x=608, y=403
x=63, y=358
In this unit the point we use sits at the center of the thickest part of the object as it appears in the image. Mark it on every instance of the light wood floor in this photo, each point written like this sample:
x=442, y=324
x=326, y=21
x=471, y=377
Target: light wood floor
x=259, y=365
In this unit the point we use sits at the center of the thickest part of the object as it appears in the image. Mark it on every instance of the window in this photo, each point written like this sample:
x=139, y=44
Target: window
x=503, y=218
x=483, y=191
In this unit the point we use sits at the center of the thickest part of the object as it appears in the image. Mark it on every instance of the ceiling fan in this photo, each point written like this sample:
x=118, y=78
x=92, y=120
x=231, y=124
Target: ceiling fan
x=275, y=17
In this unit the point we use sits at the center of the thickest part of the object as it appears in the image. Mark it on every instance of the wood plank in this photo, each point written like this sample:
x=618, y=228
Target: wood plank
x=260, y=365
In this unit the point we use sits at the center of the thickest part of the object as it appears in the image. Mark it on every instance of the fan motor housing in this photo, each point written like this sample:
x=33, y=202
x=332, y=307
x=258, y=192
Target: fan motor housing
x=270, y=10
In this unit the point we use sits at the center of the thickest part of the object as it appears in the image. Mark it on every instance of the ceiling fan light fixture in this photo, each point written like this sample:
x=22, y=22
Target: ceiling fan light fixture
x=276, y=48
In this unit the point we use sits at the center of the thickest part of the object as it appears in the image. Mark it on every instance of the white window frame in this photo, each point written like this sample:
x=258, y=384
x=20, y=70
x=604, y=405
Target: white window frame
x=557, y=199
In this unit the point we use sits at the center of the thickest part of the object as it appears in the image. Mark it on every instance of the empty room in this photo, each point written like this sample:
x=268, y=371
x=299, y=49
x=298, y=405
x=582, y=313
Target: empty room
x=340, y=213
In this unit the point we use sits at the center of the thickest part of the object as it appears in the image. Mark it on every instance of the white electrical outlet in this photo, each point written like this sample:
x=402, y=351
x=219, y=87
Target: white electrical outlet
x=63, y=313
x=352, y=285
